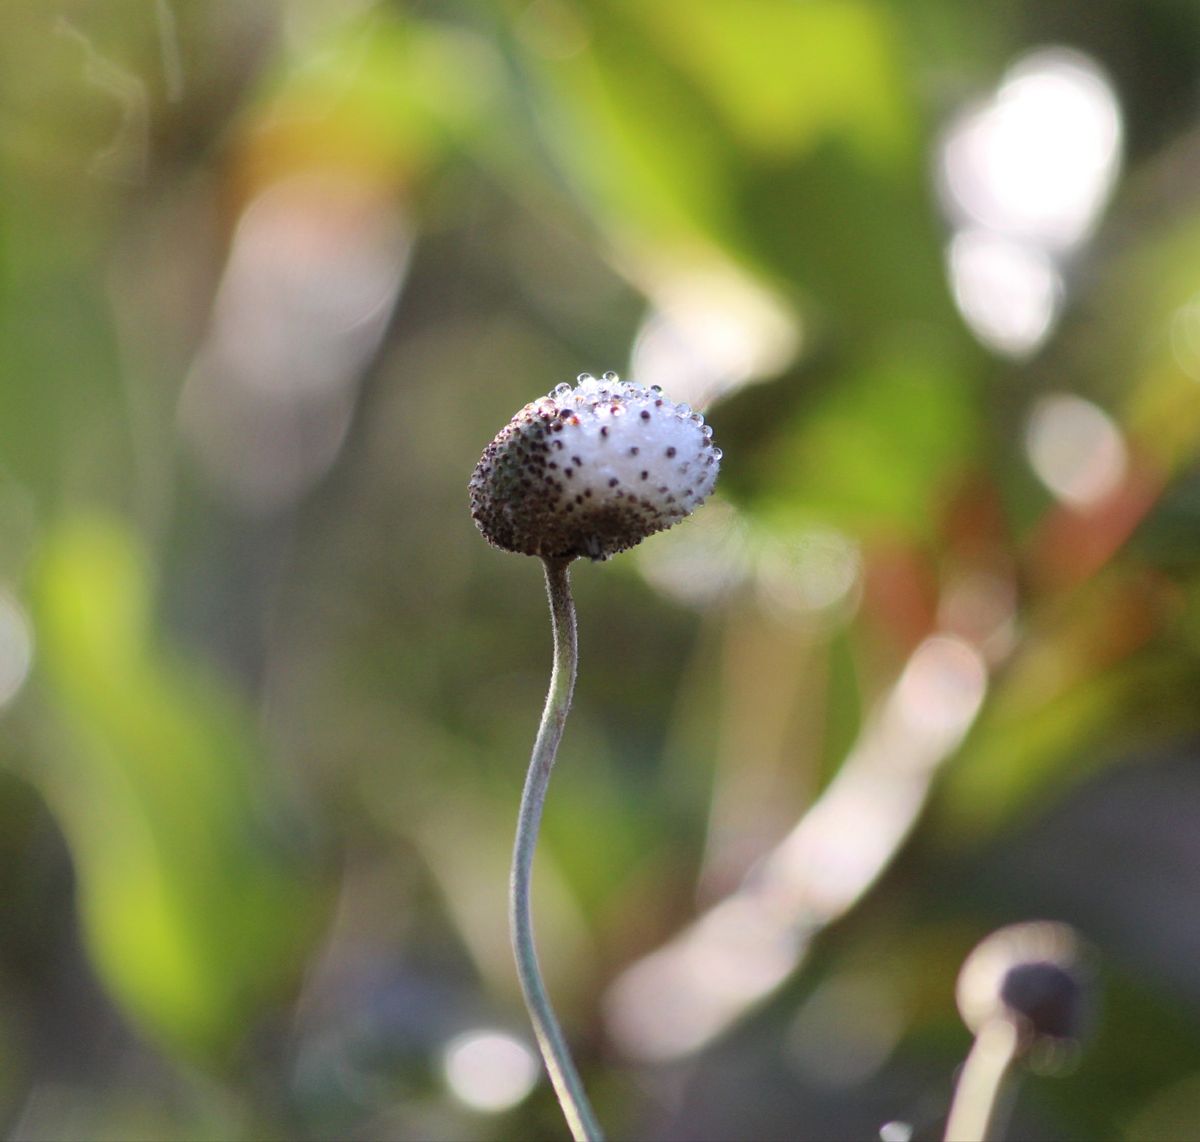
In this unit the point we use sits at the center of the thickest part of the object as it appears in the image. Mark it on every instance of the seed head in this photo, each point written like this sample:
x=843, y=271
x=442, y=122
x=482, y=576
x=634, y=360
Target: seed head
x=592, y=470
x=1032, y=974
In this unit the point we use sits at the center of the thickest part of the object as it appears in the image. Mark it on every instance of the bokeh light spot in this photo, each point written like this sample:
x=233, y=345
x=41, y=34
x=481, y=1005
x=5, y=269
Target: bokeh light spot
x=1075, y=448
x=1185, y=337
x=1009, y=293
x=313, y=273
x=1024, y=177
x=816, y=572
x=709, y=333
x=489, y=1070
x=1038, y=159
x=699, y=564
x=16, y=647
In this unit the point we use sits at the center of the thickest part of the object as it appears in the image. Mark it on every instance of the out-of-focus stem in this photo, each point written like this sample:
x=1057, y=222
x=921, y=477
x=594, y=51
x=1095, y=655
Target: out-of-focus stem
x=980, y=1091
x=564, y=1076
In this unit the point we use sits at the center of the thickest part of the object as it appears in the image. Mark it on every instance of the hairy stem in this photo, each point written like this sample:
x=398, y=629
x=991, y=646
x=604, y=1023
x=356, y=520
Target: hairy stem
x=564, y=1076
x=979, y=1095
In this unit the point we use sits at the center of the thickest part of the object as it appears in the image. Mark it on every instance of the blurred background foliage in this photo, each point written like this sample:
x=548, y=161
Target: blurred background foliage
x=272, y=274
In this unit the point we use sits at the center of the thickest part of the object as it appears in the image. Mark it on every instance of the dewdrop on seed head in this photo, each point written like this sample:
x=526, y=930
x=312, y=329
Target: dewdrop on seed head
x=592, y=470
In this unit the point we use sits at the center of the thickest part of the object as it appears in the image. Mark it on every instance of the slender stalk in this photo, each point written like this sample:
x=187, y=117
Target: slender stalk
x=564, y=1076
x=980, y=1091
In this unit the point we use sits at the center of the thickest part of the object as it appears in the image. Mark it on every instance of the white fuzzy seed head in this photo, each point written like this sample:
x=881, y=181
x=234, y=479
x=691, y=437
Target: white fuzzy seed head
x=592, y=470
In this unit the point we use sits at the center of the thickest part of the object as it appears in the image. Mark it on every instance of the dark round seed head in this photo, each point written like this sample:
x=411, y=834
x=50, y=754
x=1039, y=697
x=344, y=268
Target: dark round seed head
x=1033, y=975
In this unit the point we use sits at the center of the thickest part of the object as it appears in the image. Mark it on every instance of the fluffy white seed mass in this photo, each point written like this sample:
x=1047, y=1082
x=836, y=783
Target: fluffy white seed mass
x=592, y=470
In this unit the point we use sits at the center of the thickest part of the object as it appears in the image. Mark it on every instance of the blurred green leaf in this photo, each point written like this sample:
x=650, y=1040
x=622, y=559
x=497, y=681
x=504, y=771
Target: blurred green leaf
x=877, y=449
x=1054, y=722
x=763, y=176
x=783, y=135
x=782, y=76
x=1170, y=535
x=194, y=911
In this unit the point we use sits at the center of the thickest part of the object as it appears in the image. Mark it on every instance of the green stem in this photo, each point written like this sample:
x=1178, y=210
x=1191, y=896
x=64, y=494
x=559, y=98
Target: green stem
x=564, y=1076
x=980, y=1091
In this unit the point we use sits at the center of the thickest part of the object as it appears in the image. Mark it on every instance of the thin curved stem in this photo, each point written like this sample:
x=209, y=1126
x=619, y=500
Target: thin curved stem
x=979, y=1096
x=567, y=1085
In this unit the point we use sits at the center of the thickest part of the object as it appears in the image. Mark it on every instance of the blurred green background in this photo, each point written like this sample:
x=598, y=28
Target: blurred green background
x=272, y=274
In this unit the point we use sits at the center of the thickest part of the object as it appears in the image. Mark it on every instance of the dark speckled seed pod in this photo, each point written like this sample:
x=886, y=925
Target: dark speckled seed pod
x=592, y=470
